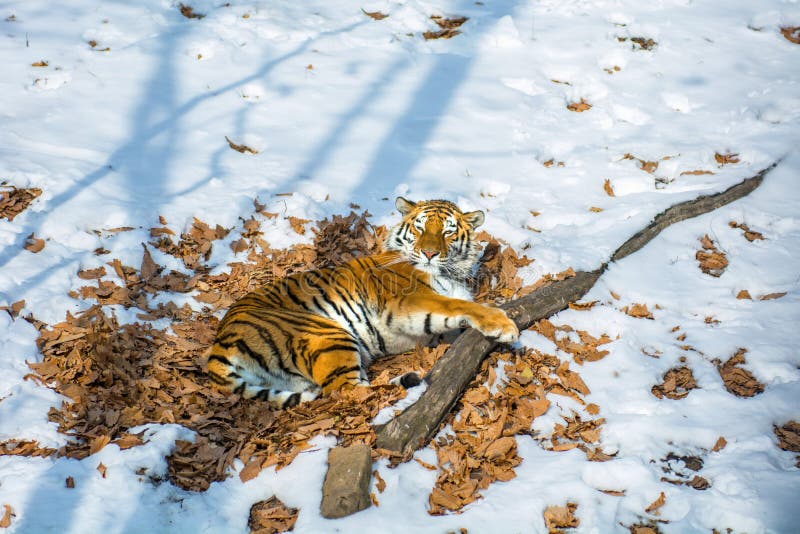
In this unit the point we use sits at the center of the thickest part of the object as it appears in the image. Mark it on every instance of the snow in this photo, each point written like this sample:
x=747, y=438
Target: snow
x=344, y=109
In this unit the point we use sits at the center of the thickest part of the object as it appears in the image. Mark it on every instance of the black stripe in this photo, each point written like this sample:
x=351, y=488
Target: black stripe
x=428, y=324
x=217, y=379
x=389, y=319
x=292, y=401
x=221, y=359
x=342, y=346
x=292, y=296
x=339, y=371
x=371, y=328
x=271, y=343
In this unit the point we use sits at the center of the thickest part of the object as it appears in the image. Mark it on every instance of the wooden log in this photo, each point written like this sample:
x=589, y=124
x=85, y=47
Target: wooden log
x=447, y=379
x=451, y=374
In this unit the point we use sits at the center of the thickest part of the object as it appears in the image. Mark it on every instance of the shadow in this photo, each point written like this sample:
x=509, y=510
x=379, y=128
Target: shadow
x=320, y=154
x=145, y=134
x=405, y=141
x=403, y=145
x=156, y=132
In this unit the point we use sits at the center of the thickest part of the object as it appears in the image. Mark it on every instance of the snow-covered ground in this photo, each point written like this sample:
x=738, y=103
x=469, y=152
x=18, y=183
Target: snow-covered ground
x=345, y=109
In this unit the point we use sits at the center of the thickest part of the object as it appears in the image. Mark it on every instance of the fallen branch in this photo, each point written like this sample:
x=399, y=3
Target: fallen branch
x=451, y=374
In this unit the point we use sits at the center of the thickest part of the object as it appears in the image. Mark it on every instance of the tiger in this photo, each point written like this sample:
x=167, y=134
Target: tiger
x=317, y=331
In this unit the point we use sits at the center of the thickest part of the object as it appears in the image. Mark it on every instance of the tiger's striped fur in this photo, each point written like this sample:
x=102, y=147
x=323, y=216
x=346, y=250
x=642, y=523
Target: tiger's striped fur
x=317, y=331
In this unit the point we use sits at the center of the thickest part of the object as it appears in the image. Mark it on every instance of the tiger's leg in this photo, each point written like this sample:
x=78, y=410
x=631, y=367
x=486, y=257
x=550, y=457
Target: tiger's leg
x=233, y=374
x=426, y=313
x=334, y=366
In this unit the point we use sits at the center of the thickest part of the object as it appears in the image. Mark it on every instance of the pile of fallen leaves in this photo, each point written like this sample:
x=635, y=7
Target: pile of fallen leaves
x=271, y=516
x=712, y=260
x=791, y=33
x=480, y=447
x=120, y=376
x=737, y=380
x=448, y=27
x=557, y=518
x=14, y=200
x=677, y=383
x=789, y=437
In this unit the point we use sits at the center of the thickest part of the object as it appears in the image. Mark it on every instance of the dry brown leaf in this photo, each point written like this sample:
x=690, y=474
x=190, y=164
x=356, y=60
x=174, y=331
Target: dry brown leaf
x=699, y=483
x=188, y=12
x=744, y=295
x=749, y=234
x=441, y=34
x=448, y=27
x=579, y=107
x=376, y=15
x=438, y=499
x=271, y=516
x=449, y=23
x=128, y=440
x=298, y=224
x=98, y=443
x=380, y=484
x=647, y=166
x=102, y=469
x=653, y=507
x=34, y=244
x=8, y=513
x=242, y=149
x=69, y=483
x=677, y=383
x=582, y=306
x=559, y=517
x=14, y=201
x=772, y=296
x=737, y=380
x=726, y=159
x=712, y=261
x=639, y=311
x=14, y=309
x=643, y=43
x=549, y=163
x=788, y=436
x=41, y=63
x=595, y=209
x=92, y=274
x=719, y=445
x=426, y=465
x=608, y=189
x=791, y=33
x=251, y=470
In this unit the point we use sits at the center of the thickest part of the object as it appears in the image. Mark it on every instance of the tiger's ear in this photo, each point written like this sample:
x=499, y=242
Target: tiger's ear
x=404, y=206
x=475, y=218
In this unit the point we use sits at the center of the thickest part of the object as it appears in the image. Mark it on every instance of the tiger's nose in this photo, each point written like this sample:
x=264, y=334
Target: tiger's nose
x=430, y=253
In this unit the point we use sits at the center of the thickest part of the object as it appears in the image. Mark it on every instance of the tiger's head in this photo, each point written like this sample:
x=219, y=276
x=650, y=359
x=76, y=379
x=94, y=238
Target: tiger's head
x=436, y=237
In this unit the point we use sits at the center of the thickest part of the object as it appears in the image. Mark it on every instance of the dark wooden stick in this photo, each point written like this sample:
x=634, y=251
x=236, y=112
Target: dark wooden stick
x=451, y=374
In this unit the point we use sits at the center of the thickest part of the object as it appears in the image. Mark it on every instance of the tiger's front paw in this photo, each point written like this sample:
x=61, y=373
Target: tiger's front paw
x=496, y=325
